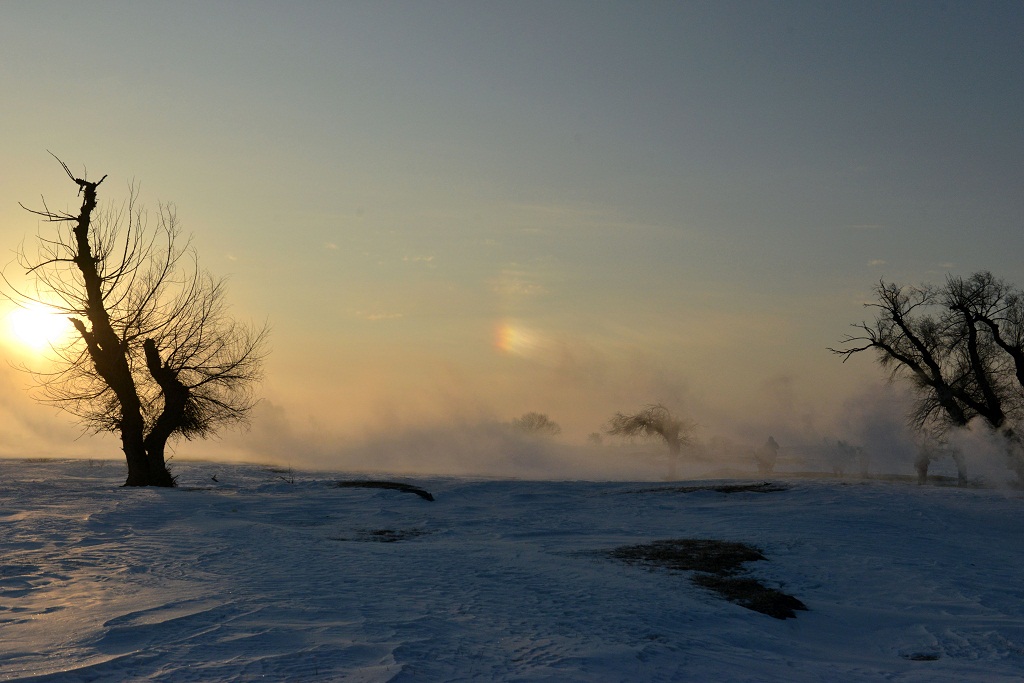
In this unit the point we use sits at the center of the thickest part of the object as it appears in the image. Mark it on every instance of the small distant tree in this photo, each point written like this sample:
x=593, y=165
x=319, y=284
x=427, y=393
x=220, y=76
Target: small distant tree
x=653, y=421
x=156, y=355
x=537, y=424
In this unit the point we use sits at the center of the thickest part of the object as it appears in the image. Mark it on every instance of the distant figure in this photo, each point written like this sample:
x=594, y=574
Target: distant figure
x=766, y=456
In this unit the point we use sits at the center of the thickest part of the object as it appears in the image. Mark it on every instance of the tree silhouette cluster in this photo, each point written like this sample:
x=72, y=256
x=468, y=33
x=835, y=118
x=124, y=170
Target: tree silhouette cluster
x=156, y=355
x=654, y=420
x=538, y=424
x=960, y=346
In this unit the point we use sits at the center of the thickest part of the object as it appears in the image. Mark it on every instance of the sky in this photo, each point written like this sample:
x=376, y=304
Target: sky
x=453, y=213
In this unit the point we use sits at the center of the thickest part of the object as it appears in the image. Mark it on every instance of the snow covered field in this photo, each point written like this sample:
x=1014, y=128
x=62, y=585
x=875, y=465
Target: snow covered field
x=251, y=577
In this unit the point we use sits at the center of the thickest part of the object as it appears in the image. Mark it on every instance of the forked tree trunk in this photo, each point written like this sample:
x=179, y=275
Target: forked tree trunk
x=109, y=356
x=172, y=417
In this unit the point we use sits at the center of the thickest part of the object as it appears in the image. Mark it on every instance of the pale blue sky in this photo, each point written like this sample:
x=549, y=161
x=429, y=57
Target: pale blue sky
x=656, y=201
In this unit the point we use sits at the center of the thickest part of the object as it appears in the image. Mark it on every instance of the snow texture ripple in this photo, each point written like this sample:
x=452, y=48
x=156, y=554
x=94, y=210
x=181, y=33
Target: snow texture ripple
x=259, y=576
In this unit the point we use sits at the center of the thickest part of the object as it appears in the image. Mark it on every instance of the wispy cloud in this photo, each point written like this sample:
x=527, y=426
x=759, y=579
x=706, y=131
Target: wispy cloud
x=377, y=316
x=875, y=262
x=516, y=283
x=518, y=288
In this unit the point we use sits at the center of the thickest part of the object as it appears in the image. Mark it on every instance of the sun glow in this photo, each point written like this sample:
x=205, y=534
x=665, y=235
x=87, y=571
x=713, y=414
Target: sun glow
x=37, y=327
x=517, y=340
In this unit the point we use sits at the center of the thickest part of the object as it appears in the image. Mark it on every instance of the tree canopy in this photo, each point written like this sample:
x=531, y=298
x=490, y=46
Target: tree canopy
x=653, y=420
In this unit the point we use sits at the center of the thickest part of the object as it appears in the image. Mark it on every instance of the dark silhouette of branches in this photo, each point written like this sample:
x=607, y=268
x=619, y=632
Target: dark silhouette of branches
x=654, y=420
x=537, y=424
x=914, y=344
x=157, y=354
x=993, y=312
x=961, y=347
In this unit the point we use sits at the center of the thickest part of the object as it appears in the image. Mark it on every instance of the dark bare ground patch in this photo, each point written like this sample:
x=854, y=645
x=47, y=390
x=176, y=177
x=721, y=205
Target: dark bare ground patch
x=759, y=487
x=384, y=535
x=752, y=594
x=391, y=485
x=716, y=564
x=689, y=554
x=922, y=656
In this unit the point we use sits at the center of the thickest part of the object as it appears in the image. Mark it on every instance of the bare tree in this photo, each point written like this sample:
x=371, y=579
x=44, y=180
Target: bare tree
x=537, y=424
x=156, y=356
x=654, y=420
x=991, y=312
x=961, y=348
x=913, y=344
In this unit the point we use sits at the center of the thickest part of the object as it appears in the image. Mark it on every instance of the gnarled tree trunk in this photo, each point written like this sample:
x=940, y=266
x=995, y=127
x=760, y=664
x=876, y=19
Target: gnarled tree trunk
x=109, y=355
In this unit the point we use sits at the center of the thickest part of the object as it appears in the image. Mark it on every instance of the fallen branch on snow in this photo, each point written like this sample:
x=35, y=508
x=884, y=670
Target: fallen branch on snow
x=393, y=485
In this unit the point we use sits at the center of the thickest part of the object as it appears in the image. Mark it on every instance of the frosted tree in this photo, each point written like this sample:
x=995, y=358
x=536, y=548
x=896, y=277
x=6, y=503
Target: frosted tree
x=156, y=354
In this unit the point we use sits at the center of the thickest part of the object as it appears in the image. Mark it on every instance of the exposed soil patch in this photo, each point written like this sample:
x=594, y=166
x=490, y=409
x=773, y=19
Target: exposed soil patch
x=384, y=535
x=392, y=485
x=752, y=594
x=759, y=487
x=689, y=554
x=716, y=564
x=922, y=656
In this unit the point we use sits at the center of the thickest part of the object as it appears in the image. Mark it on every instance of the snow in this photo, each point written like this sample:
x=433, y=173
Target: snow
x=264, y=575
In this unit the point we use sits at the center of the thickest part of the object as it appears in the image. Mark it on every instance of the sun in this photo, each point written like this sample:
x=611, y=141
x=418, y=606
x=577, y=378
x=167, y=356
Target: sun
x=37, y=327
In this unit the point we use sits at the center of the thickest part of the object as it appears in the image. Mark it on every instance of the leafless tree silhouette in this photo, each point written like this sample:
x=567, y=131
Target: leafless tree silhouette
x=157, y=355
x=962, y=348
x=538, y=424
x=654, y=420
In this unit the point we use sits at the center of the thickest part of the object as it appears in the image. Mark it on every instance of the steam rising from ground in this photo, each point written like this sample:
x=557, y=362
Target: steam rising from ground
x=984, y=452
x=868, y=435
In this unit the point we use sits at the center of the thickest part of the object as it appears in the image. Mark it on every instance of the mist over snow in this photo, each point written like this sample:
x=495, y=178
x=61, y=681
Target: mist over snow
x=480, y=443
x=465, y=433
